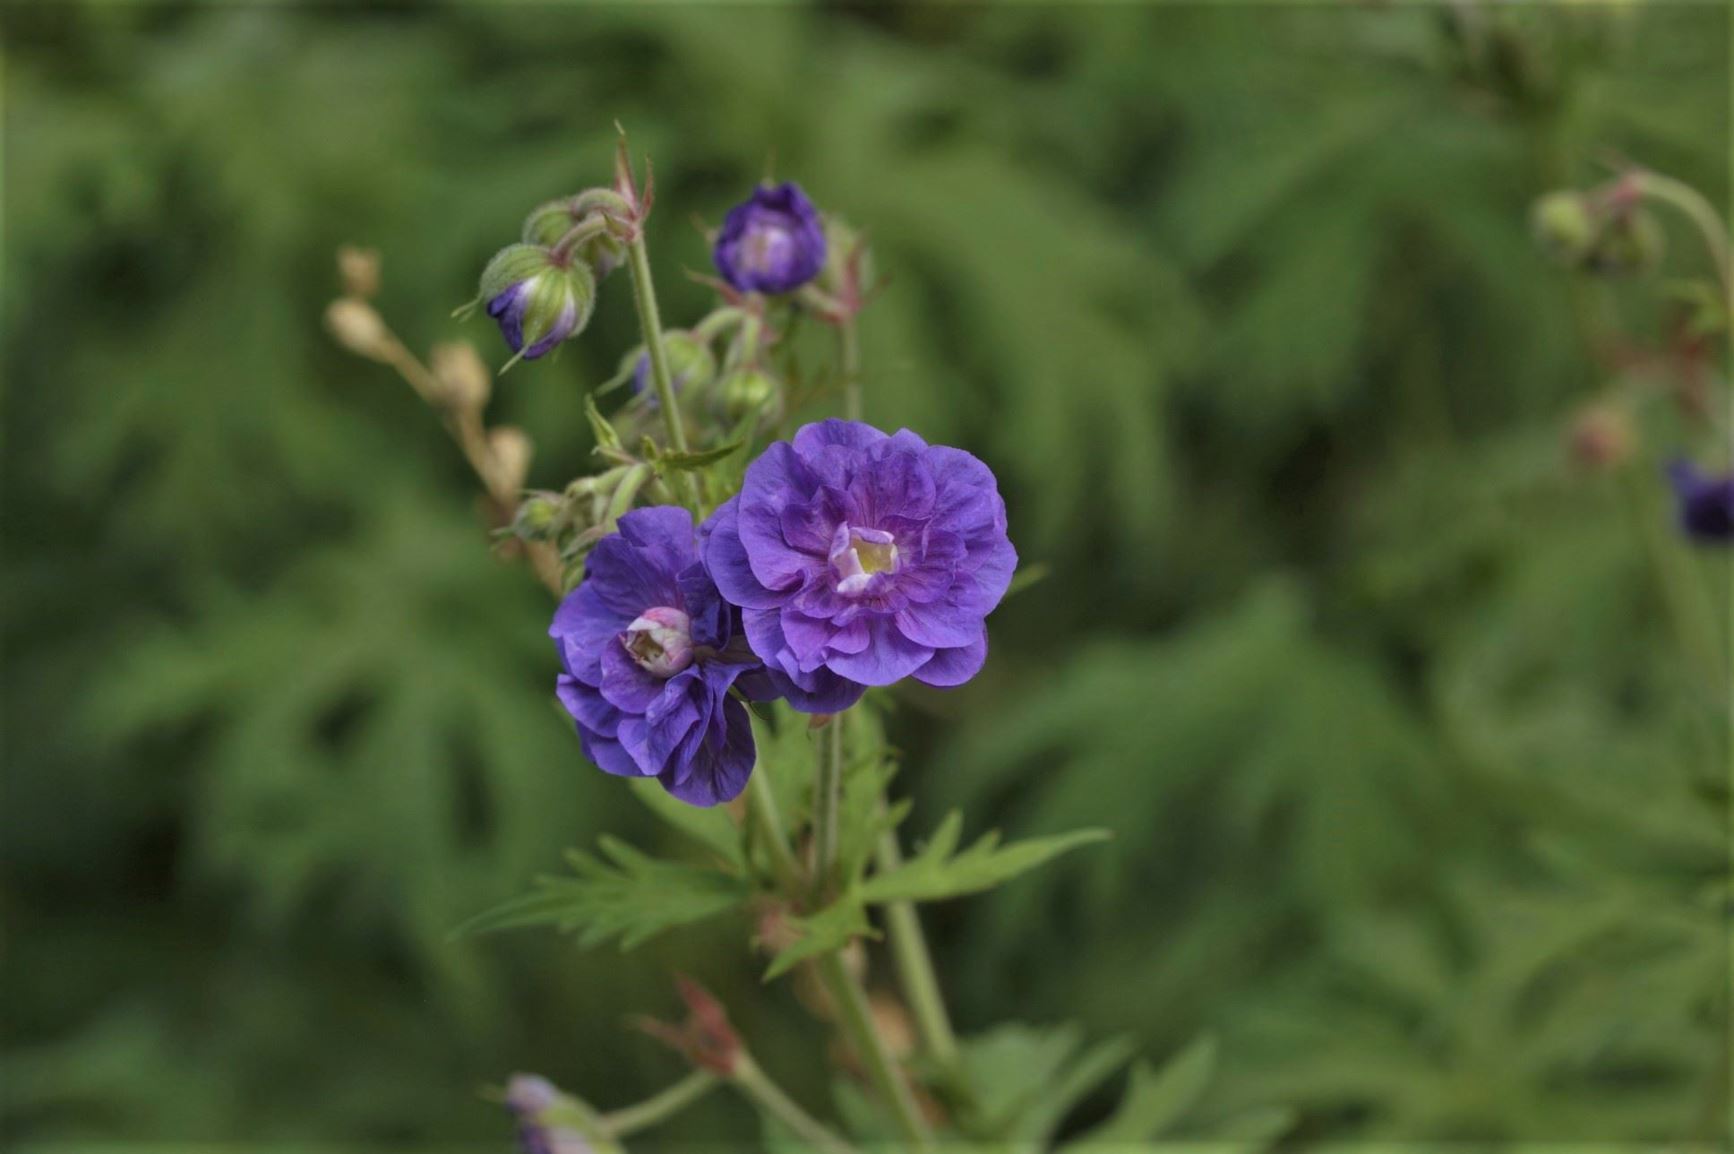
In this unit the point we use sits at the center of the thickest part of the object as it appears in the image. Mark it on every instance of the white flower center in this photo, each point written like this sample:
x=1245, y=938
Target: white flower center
x=660, y=640
x=858, y=555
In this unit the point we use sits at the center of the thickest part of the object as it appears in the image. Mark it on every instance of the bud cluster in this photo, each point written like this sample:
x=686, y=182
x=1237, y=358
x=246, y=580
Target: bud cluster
x=1610, y=231
x=1605, y=231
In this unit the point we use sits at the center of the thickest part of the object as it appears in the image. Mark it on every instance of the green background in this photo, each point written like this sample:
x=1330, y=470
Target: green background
x=1419, y=800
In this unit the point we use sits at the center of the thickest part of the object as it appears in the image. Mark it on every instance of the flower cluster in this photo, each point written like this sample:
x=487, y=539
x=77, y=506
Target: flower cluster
x=850, y=559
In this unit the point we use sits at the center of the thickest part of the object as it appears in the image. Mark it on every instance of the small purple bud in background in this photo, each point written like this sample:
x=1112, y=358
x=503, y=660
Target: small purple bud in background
x=690, y=363
x=538, y=297
x=773, y=242
x=536, y=1101
x=1706, y=503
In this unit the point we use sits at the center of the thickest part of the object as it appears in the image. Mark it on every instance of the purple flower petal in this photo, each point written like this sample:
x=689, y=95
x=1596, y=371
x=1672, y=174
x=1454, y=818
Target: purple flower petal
x=952, y=667
x=888, y=657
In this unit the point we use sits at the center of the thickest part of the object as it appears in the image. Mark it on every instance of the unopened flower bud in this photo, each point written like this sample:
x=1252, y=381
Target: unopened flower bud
x=511, y=451
x=548, y=224
x=691, y=365
x=772, y=242
x=705, y=1038
x=1565, y=226
x=746, y=390
x=464, y=381
x=545, y=1117
x=538, y=517
x=359, y=328
x=539, y=298
x=891, y=1021
x=358, y=269
x=1631, y=242
x=1600, y=438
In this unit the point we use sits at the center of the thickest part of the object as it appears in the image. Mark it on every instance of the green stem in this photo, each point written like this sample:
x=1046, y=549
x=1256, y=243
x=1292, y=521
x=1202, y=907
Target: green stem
x=827, y=802
x=915, y=966
x=1695, y=208
x=650, y=324
x=670, y=1102
x=757, y=1086
x=763, y=802
x=850, y=339
x=856, y=1019
x=1688, y=601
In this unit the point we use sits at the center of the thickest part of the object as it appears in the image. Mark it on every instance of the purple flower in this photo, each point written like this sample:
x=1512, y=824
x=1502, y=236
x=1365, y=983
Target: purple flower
x=772, y=242
x=650, y=651
x=859, y=558
x=1706, y=503
x=532, y=1097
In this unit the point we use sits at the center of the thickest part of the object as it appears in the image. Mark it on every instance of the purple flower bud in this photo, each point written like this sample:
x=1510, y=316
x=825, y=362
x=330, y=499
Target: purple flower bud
x=650, y=651
x=859, y=559
x=691, y=364
x=533, y=1099
x=538, y=297
x=1706, y=503
x=773, y=242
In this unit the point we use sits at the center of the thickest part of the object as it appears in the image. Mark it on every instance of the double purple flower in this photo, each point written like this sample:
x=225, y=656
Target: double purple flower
x=650, y=652
x=859, y=559
x=772, y=242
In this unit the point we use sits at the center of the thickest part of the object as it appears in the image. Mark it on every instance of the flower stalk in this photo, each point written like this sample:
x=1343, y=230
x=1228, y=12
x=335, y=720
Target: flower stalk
x=914, y=963
x=856, y=1019
x=659, y=1107
x=827, y=803
x=661, y=376
x=1692, y=204
x=758, y=1088
x=849, y=341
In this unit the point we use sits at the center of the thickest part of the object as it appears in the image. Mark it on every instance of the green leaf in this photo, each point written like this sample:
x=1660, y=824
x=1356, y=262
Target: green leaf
x=1026, y=1078
x=631, y=896
x=678, y=461
x=710, y=826
x=1156, y=1100
x=606, y=437
x=937, y=872
x=829, y=929
x=1097, y=1064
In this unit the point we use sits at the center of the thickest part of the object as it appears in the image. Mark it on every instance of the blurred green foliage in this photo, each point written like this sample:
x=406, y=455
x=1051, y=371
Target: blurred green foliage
x=1418, y=803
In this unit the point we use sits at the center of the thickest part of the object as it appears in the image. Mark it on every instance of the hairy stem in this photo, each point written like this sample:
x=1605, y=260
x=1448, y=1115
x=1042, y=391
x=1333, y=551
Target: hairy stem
x=769, y=1097
x=762, y=801
x=650, y=324
x=827, y=801
x=850, y=340
x=914, y=962
x=662, y=1106
x=856, y=1020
